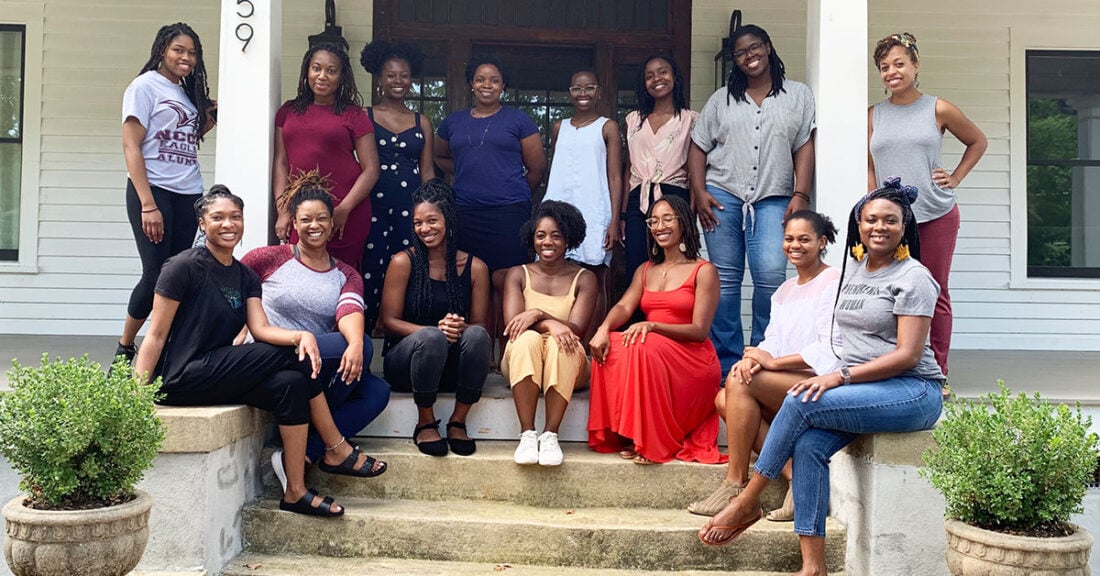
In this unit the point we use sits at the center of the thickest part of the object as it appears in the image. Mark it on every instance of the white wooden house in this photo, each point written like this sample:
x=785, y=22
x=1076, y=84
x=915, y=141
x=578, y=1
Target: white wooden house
x=68, y=259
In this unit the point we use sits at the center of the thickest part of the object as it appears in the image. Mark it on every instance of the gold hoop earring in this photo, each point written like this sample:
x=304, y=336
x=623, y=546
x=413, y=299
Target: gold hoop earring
x=654, y=249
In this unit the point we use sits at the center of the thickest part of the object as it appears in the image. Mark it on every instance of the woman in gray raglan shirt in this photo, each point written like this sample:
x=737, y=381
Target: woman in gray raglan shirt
x=889, y=381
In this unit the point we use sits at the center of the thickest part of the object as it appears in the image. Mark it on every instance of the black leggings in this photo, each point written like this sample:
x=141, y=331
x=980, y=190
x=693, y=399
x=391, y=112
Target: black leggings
x=178, y=212
x=268, y=377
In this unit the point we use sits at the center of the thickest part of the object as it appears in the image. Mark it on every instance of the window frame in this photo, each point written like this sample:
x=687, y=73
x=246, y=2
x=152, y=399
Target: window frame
x=31, y=17
x=1021, y=41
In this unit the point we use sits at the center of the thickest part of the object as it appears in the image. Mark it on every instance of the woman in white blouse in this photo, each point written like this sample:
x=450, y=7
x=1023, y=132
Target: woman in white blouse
x=796, y=345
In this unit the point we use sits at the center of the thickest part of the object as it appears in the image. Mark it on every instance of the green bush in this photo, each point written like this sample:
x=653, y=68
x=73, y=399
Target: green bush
x=1011, y=462
x=79, y=437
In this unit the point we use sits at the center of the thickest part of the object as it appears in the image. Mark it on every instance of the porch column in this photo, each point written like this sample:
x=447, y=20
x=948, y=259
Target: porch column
x=248, y=96
x=836, y=70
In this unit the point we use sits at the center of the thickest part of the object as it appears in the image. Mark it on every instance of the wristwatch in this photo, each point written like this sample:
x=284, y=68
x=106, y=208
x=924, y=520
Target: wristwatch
x=846, y=375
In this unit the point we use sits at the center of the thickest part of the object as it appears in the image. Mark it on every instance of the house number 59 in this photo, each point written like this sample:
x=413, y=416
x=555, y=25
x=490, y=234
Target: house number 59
x=245, y=10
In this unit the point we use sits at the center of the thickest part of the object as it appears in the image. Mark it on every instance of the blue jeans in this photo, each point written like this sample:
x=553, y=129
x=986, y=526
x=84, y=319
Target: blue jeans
x=354, y=405
x=758, y=234
x=811, y=432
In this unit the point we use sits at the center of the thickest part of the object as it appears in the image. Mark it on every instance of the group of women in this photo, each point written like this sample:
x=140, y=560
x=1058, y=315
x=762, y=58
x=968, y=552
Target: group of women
x=372, y=237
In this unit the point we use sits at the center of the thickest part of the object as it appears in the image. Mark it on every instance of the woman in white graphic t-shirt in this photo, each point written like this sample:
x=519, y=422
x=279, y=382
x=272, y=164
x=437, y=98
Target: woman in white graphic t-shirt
x=166, y=111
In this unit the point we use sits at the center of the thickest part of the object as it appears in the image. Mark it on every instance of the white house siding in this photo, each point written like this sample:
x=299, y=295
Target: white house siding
x=965, y=58
x=87, y=263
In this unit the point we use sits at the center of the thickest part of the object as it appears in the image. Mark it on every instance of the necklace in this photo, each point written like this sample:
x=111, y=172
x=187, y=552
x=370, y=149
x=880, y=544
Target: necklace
x=484, y=132
x=668, y=267
x=583, y=124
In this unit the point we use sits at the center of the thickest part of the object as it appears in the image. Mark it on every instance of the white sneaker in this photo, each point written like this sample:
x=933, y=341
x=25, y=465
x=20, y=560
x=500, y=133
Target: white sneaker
x=549, y=451
x=528, y=450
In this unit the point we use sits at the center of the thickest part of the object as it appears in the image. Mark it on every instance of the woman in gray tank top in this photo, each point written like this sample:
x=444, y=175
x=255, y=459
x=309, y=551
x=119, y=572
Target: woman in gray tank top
x=905, y=133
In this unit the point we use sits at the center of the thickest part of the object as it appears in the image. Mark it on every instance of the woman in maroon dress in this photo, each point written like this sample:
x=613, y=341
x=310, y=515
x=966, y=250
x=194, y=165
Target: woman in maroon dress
x=324, y=128
x=653, y=384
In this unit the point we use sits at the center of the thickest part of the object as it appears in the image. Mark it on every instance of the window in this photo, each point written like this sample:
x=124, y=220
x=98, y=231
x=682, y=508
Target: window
x=1063, y=163
x=12, y=50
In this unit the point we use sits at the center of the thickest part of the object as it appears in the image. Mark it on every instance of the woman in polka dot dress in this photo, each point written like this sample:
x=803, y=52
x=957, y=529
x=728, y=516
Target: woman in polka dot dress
x=406, y=160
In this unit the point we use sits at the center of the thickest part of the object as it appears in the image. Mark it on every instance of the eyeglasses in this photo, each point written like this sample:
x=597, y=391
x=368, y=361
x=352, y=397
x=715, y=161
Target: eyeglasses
x=753, y=48
x=655, y=222
x=584, y=90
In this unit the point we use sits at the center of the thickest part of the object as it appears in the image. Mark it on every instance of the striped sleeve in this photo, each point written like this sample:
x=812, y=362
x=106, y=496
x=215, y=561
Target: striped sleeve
x=351, y=293
x=265, y=260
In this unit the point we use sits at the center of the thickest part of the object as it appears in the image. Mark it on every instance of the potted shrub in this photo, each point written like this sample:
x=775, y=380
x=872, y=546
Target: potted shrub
x=81, y=440
x=1012, y=469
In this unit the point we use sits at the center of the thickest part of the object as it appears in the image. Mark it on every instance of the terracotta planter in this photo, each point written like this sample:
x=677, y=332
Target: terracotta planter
x=974, y=551
x=100, y=542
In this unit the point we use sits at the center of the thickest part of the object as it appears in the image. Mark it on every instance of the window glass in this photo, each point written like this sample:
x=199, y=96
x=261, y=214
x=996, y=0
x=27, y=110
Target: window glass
x=11, y=137
x=1063, y=163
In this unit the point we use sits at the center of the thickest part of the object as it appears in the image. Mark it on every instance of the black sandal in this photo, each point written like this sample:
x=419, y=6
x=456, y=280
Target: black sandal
x=462, y=447
x=305, y=506
x=434, y=447
x=347, y=467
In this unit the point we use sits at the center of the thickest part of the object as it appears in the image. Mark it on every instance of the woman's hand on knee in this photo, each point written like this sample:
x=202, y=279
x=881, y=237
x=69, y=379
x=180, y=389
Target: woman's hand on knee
x=598, y=345
x=351, y=364
x=569, y=342
x=307, y=346
x=742, y=372
x=811, y=389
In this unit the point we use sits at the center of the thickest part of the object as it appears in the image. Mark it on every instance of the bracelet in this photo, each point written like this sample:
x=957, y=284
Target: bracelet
x=336, y=445
x=149, y=211
x=803, y=195
x=294, y=340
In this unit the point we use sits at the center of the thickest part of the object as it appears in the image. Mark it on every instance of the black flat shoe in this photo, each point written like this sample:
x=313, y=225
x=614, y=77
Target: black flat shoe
x=462, y=447
x=434, y=447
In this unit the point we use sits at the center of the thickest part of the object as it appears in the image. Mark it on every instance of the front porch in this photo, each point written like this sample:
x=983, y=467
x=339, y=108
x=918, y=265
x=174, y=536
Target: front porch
x=884, y=534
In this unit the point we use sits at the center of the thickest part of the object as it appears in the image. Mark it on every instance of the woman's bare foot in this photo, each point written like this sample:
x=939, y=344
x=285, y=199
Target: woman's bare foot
x=740, y=513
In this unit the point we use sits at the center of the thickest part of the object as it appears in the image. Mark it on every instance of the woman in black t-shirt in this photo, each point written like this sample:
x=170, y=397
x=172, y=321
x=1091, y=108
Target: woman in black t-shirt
x=203, y=298
x=434, y=302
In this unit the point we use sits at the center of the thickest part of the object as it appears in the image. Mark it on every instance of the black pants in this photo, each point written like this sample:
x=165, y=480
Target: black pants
x=180, y=223
x=268, y=377
x=637, y=233
x=425, y=363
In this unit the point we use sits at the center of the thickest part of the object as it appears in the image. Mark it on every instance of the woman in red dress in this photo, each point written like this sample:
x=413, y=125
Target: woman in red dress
x=653, y=384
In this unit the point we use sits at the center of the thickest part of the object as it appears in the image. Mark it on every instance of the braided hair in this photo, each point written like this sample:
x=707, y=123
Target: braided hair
x=439, y=194
x=569, y=220
x=644, y=101
x=346, y=95
x=194, y=84
x=205, y=201
x=375, y=55
x=902, y=195
x=738, y=82
x=689, y=233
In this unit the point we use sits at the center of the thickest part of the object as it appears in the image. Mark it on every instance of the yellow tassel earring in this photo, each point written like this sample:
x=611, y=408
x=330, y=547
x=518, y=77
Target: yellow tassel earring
x=902, y=252
x=858, y=251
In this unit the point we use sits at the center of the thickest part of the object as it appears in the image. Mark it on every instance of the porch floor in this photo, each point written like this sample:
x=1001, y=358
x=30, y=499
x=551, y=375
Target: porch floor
x=1058, y=375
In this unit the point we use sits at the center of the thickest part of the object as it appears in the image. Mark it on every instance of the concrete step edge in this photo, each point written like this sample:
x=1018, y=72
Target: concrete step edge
x=252, y=564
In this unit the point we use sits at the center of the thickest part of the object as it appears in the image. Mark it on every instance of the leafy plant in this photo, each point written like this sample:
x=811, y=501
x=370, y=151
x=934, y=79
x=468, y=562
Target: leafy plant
x=81, y=438
x=1011, y=462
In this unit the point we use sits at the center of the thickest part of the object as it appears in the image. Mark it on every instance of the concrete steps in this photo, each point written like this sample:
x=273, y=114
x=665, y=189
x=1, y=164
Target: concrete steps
x=595, y=511
x=291, y=565
x=495, y=532
x=585, y=479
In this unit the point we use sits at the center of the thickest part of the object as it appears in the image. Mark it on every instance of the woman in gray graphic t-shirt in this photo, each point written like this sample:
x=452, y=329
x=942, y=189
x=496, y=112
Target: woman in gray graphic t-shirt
x=888, y=382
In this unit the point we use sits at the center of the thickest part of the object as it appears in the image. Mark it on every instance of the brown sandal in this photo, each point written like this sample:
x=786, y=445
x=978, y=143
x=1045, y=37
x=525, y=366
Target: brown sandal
x=735, y=531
